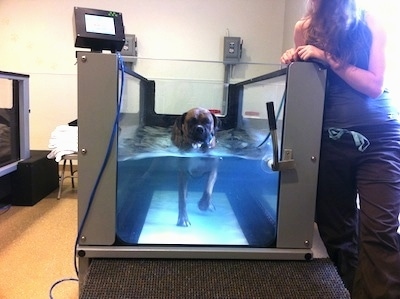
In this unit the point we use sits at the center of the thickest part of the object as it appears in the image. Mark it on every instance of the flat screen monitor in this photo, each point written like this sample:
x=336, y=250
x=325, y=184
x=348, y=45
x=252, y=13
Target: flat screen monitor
x=99, y=30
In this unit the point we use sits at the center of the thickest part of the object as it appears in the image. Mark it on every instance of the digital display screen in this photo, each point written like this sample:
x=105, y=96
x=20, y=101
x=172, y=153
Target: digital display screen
x=98, y=30
x=99, y=24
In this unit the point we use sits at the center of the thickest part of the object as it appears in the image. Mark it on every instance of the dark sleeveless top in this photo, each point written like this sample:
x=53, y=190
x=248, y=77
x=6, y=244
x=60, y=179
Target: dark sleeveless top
x=344, y=106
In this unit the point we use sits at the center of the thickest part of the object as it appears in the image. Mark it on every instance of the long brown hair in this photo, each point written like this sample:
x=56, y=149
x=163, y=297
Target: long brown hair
x=337, y=27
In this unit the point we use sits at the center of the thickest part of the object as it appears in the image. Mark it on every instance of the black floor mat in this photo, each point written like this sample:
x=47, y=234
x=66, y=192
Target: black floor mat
x=163, y=278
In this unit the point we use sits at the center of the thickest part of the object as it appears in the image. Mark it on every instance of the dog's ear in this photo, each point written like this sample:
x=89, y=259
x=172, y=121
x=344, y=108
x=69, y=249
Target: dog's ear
x=177, y=133
x=180, y=121
x=217, y=122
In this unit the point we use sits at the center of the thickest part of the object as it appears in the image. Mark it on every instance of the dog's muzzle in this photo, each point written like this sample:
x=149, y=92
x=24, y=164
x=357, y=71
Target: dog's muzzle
x=201, y=137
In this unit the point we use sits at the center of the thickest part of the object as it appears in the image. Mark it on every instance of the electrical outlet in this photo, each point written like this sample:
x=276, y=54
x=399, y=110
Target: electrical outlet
x=232, y=49
x=129, y=48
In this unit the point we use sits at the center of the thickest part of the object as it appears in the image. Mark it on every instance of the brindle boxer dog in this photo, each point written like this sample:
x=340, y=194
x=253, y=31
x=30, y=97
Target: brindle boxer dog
x=194, y=131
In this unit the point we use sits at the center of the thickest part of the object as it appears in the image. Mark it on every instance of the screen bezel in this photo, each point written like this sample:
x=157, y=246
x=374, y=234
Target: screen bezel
x=98, y=41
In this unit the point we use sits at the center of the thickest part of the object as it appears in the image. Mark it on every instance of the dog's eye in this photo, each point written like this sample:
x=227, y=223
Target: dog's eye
x=192, y=121
x=205, y=121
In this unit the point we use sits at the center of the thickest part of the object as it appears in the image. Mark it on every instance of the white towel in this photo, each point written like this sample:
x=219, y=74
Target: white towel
x=63, y=141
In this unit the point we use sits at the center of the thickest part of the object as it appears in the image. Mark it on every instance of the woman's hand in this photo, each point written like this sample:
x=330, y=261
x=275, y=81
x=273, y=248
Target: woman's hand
x=303, y=53
x=289, y=56
x=309, y=52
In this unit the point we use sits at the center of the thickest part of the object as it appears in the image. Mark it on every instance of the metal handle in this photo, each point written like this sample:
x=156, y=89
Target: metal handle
x=271, y=116
x=287, y=162
x=274, y=136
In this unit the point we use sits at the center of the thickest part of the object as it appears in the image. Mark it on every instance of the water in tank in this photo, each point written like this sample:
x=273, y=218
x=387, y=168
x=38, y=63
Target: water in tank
x=243, y=208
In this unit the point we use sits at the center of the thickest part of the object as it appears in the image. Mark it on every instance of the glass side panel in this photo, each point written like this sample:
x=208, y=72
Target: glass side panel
x=184, y=84
x=9, y=122
x=243, y=209
x=188, y=94
x=130, y=98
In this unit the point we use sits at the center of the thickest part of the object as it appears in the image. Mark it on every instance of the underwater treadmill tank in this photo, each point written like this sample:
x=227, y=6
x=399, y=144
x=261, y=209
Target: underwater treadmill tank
x=129, y=168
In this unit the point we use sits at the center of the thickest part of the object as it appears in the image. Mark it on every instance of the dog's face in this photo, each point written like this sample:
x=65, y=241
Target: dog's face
x=195, y=129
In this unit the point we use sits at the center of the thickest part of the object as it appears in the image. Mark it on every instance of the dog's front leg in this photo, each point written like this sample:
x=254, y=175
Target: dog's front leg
x=205, y=201
x=183, y=219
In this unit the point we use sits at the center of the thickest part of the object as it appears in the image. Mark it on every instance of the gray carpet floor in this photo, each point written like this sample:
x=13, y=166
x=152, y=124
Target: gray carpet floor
x=160, y=278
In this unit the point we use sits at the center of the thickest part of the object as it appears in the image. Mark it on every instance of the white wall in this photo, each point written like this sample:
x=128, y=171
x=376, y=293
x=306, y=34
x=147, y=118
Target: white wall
x=38, y=39
x=294, y=10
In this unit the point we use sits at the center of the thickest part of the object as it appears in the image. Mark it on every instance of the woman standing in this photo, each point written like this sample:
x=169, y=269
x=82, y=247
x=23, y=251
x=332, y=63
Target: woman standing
x=360, y=148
